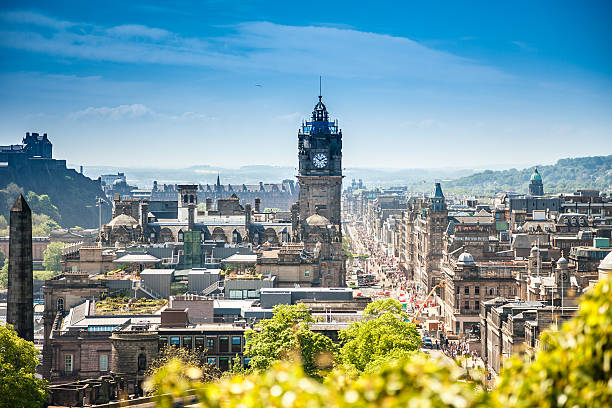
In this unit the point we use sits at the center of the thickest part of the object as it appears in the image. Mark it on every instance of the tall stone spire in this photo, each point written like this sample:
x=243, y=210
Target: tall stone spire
x=20, y=308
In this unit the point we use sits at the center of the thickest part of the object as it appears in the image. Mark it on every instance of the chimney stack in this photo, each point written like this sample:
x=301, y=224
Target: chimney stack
x=191, y=217
x=257, y=205
x=208, y=204
x=247, y=217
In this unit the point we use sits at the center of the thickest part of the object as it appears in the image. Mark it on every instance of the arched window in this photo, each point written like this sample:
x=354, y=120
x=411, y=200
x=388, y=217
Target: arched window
x=180, y=235
x=191, y=199
x=185, y=198
x=142, y=362
x=60, y=304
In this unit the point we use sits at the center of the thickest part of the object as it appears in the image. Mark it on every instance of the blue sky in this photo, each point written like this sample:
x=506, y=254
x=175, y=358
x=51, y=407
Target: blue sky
x=427, y=84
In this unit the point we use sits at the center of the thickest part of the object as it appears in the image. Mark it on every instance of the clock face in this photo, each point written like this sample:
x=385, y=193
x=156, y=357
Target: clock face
x=319, y=161
x=564, y=277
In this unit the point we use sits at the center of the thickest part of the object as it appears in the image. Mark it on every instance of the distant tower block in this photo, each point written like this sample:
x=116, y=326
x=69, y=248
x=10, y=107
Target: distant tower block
x=20, y=309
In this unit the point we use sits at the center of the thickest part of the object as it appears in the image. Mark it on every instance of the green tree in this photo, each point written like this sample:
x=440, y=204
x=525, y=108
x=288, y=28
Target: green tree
x=18, y=385
x=10, y=194
x=4, y=274
x=383, y=306
x=42, y=225
x=42, y=204
x=52, y=257
x=366, y=344
x=3, y=223
x=287, y=336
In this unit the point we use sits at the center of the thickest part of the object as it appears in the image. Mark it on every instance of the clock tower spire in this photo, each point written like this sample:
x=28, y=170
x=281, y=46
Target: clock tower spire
x=320, y=166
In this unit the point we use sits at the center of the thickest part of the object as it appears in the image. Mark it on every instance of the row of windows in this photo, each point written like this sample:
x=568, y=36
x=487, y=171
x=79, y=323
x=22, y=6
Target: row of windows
x=491, y=291
x=213, y=344
x=468, y=303
x=466, y=290
x=223, y=363
x=69, y=362
x=244, y=293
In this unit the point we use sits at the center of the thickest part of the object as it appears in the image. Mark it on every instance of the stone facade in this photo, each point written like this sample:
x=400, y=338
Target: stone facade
x=467, y=284
x=90, y=260
x=132, y=353
x=39, y=245
x=80, y=355
x=430, y=217
x=61, y=293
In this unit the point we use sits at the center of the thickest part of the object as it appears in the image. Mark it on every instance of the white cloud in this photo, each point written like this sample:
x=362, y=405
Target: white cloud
x=255, y=46
x=113, y=113
x=29, y=18
x=426, y=123
x=137, y=30
x=132, y=111
x=293, y=117
x=523, y=45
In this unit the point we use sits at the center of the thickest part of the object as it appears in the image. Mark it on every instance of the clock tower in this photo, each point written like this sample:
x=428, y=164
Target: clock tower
x=320, y=167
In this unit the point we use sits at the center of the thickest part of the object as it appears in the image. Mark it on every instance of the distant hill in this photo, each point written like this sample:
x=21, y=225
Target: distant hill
x=72, y=193
x=567, y=175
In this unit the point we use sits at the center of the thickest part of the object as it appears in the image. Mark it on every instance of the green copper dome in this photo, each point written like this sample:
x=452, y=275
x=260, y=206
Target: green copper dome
x=535, y=175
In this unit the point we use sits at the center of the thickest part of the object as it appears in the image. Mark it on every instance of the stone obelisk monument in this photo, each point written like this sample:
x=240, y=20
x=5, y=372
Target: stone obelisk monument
x=20, y=309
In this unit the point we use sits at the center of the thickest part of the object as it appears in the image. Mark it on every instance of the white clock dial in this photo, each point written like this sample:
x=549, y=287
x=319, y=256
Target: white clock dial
x=319, y=161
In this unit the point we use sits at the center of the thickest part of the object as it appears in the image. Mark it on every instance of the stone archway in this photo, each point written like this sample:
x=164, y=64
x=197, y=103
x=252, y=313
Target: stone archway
x=219, y=235
x=166, y=235
x=270, y=236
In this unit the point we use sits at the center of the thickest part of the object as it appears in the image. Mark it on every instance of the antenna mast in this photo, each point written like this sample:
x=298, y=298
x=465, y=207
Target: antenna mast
x=320, y=87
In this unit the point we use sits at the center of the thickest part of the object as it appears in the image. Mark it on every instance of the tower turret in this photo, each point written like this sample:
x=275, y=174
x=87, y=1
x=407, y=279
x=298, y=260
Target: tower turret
x=536, y=187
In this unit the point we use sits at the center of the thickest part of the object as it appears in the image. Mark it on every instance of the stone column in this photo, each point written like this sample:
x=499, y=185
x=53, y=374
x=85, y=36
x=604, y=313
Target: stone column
x=20, y=308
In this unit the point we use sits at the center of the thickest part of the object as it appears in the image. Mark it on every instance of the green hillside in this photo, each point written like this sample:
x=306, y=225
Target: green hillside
x=567, y=175
x=65, y=196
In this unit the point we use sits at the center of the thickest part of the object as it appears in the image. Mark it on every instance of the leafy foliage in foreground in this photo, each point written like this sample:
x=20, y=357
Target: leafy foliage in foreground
x=419, y=382
x=571, y=370
x=18, y=385
x=193, y=363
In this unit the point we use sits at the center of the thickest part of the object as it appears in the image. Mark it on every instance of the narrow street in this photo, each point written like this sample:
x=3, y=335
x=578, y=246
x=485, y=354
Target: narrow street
x=374, y=274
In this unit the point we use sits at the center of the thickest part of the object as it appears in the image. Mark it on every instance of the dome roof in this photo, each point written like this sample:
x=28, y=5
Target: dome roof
x=561, y=260
x=606, y=263
x=465, y=259
x=122, y=220
x=534, y=249
x=535, y=175
x=317, y=220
